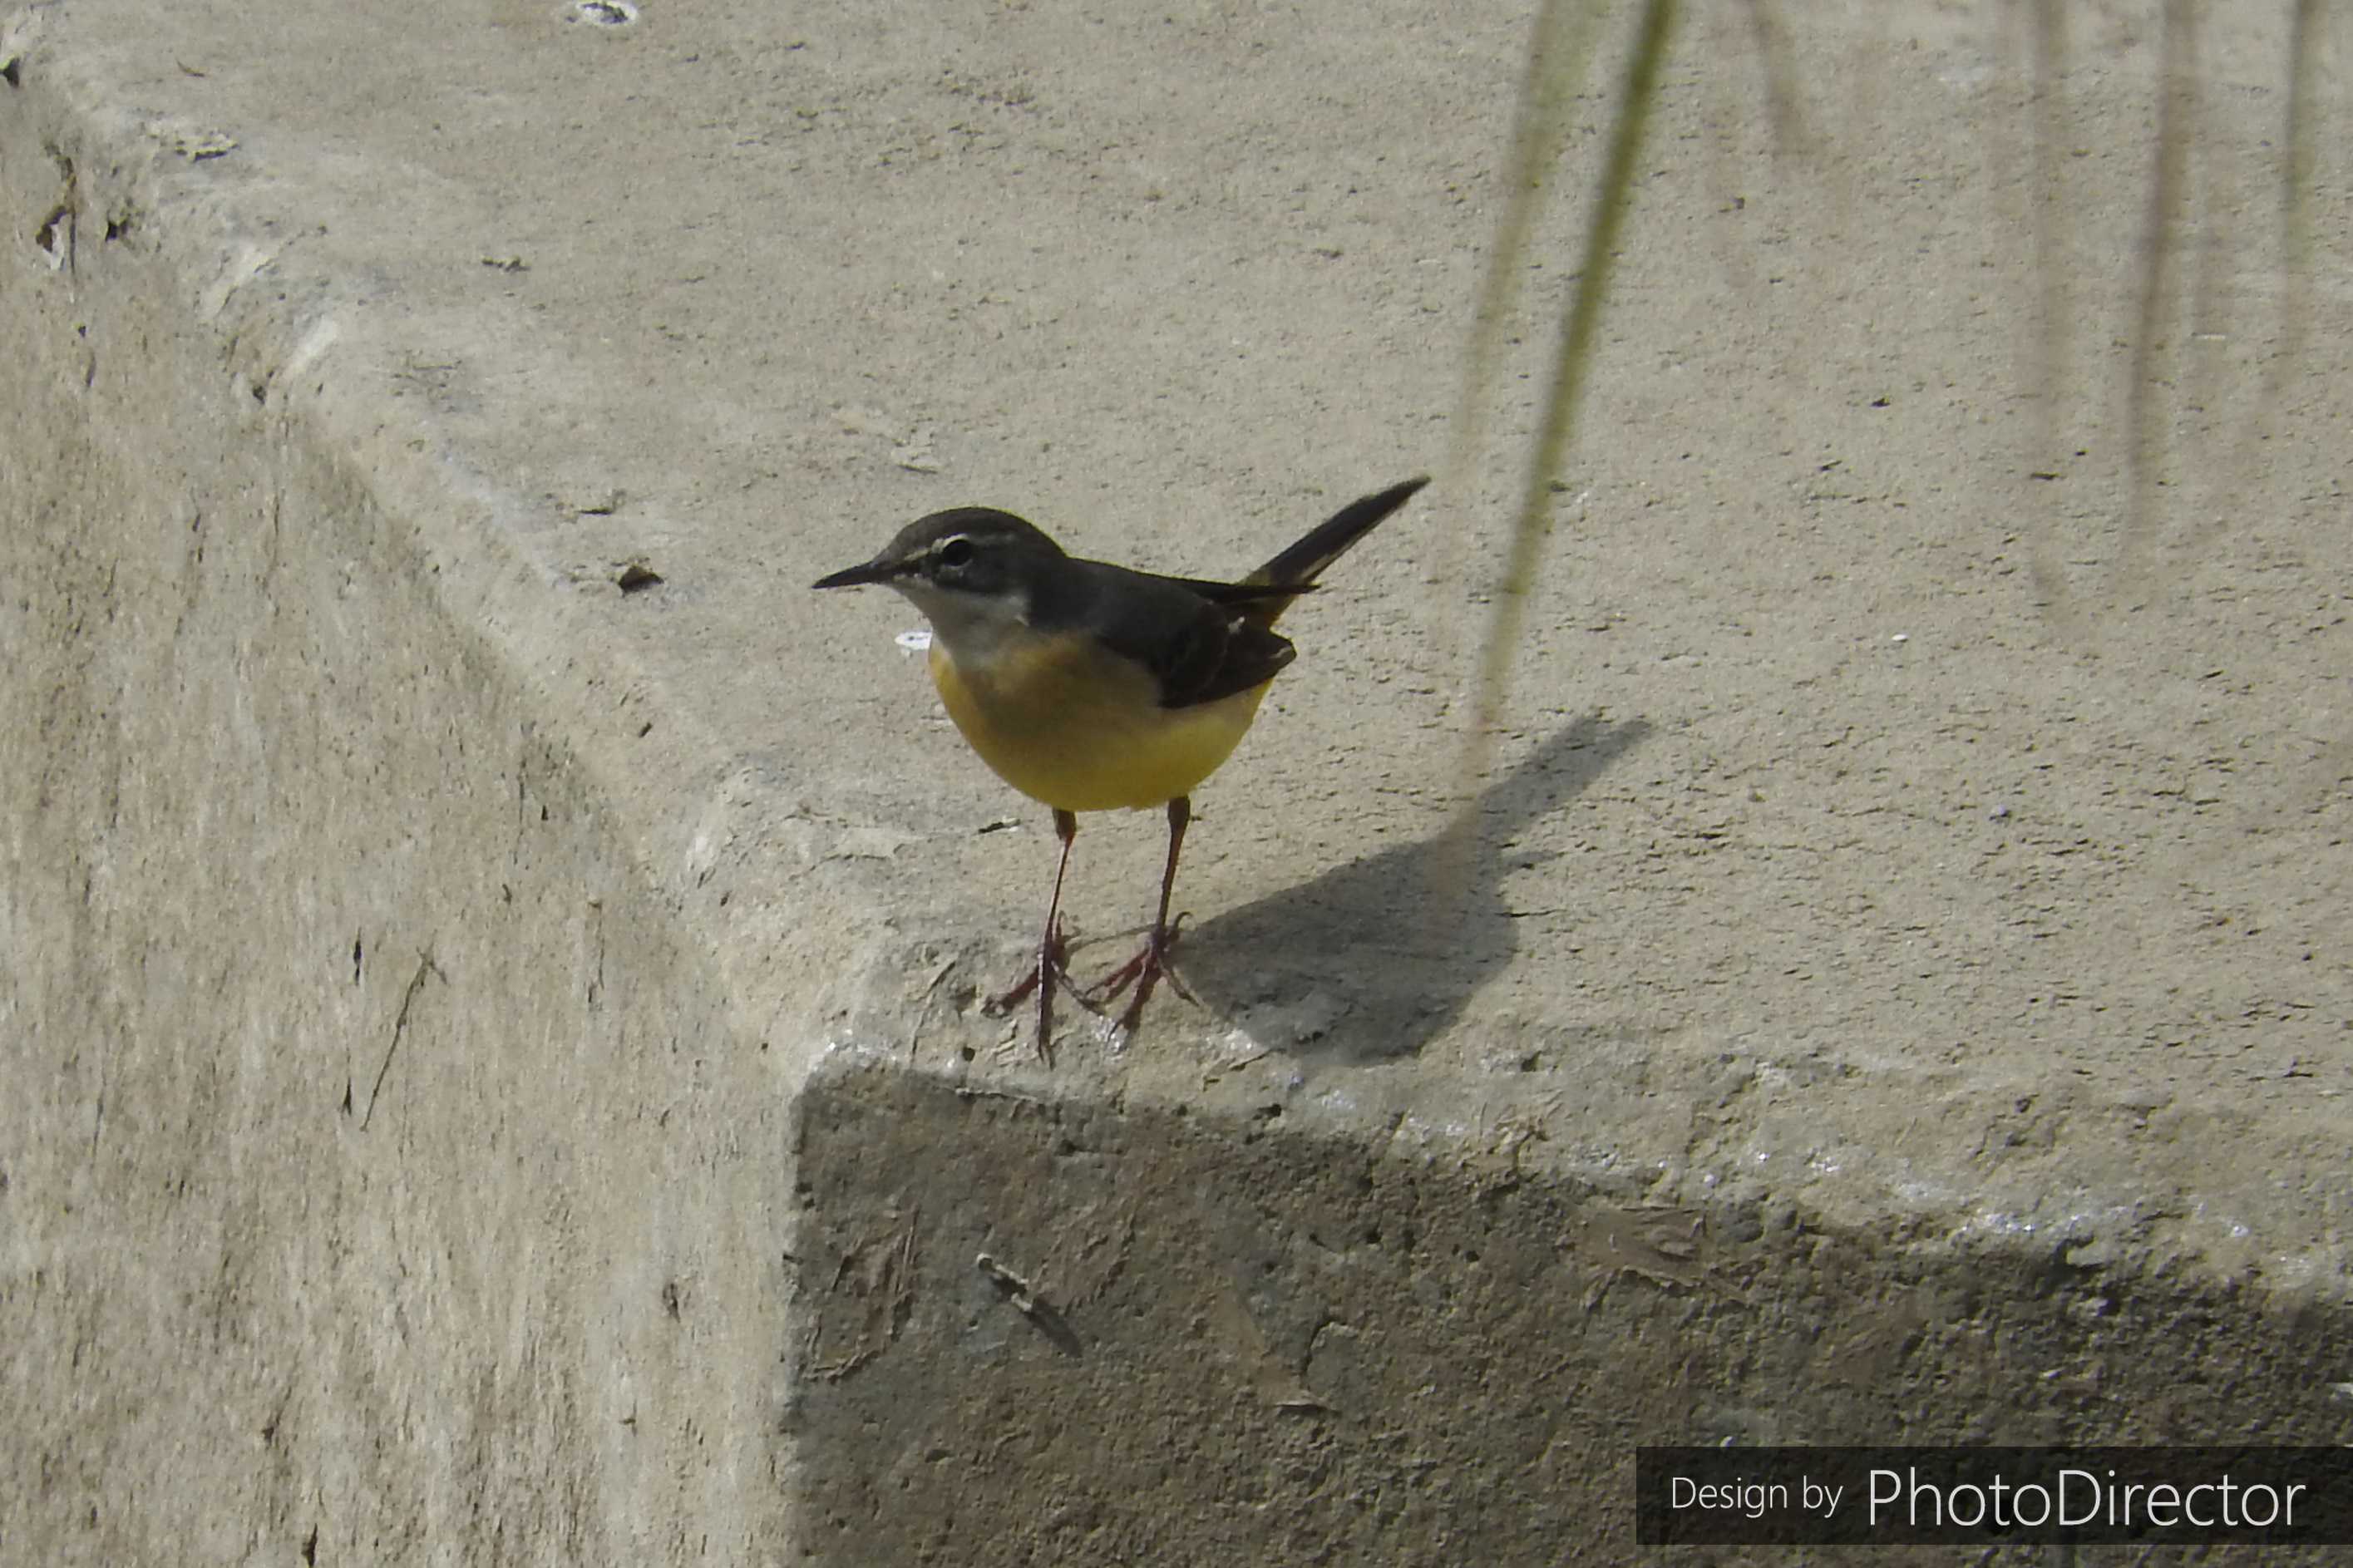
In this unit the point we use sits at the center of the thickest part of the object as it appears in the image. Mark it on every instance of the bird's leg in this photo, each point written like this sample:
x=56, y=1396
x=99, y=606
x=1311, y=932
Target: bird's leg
x=1050, y=972
x=1150, y=966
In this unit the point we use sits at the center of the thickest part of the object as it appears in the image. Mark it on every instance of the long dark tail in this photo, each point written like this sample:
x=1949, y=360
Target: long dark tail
x=1266, y=593
x=1304, y=562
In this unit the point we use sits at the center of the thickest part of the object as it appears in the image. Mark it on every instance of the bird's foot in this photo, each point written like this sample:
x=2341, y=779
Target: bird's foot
x=1050, y=974
x=1144, y=970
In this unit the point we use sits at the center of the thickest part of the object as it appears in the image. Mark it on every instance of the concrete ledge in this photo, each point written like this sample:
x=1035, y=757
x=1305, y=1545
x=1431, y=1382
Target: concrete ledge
x=493, y=1069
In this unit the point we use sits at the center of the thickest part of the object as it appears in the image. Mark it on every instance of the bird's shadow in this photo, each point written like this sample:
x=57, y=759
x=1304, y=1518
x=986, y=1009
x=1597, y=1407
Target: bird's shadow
x=1373, y=960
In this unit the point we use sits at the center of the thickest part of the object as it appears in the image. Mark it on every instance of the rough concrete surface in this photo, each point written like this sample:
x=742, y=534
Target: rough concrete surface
x=494, y=1069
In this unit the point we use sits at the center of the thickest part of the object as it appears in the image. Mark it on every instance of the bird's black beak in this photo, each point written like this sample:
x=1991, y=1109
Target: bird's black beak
x=875, y=570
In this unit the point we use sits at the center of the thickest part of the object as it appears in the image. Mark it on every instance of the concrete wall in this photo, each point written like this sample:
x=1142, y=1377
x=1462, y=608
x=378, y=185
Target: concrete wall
x=378, y=1180
x=1260, y=1343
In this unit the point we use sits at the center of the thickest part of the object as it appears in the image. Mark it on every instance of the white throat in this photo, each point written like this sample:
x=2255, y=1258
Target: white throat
x=974, y=628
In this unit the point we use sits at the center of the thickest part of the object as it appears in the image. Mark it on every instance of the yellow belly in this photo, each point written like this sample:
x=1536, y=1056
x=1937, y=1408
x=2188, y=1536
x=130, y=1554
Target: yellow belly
x=1084, y=733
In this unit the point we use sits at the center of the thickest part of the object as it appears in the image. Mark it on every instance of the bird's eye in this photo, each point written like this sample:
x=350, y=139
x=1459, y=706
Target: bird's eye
x=957, y=553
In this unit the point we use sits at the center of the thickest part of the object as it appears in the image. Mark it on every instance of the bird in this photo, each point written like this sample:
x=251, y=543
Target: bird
x=1091, y=686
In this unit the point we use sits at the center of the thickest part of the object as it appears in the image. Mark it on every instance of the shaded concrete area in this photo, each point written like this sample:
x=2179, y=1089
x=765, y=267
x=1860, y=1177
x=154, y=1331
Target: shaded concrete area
x=1402, y=937
x=1223, y=1336
x=493, y=962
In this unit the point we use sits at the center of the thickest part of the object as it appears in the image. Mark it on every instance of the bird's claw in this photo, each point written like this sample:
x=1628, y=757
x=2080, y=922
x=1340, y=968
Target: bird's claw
x=1146, y=968
x=1050, y=974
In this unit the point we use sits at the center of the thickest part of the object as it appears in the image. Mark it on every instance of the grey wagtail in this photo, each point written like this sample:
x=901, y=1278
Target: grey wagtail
x=1089, y=687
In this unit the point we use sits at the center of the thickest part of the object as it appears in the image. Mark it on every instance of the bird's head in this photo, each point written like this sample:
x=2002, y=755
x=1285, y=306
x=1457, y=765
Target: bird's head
x=966, y=569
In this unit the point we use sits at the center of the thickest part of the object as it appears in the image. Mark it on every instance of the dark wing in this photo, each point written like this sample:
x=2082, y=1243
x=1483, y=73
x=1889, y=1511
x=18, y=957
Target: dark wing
x=1203, y=640
x=1194, y=648
x=1219, y=653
